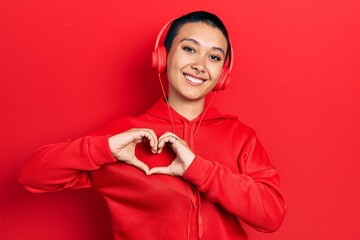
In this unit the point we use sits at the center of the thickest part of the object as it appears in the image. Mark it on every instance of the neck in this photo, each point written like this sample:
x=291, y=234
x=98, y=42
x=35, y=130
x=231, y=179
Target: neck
x=188, y=109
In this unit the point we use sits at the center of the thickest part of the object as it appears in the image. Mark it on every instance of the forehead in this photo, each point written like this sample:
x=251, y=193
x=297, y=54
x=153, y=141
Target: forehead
x=203, y=33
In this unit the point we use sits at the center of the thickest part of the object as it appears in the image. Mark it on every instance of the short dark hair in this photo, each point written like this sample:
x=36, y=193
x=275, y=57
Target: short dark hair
x=194, y=17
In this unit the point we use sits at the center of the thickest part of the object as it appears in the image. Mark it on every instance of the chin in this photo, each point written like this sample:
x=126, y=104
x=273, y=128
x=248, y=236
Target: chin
x=194, y=97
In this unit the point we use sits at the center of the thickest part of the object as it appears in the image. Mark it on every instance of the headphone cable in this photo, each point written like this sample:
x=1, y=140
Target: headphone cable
x=167, y=103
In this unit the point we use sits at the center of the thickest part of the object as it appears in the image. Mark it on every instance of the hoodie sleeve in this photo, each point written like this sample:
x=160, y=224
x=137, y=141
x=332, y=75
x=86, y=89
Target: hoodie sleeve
x=65, y=165
x=252, y=195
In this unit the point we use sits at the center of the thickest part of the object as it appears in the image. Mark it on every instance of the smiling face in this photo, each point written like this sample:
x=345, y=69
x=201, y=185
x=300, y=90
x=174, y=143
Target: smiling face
x=195, y=61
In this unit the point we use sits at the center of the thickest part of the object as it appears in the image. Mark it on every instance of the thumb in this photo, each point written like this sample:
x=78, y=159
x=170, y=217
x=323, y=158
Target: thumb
x=160, y=170
x=140, y=165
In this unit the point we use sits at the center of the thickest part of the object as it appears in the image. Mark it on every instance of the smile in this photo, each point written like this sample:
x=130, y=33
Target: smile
x=193, y=80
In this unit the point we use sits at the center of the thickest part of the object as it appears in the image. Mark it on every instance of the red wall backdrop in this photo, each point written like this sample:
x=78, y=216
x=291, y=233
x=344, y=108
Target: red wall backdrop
x=67, y=67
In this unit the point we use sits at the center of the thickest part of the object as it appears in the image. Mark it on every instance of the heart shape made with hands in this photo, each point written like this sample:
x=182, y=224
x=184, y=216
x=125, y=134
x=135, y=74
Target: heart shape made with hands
x=141, y=148
x=171, y=158
x=144, y=153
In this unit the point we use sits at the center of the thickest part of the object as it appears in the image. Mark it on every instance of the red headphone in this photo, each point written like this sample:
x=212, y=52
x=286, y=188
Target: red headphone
x=159, y=62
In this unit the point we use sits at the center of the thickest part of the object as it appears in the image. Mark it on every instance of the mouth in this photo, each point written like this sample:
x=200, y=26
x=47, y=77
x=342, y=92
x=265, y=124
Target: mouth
x=193, y=80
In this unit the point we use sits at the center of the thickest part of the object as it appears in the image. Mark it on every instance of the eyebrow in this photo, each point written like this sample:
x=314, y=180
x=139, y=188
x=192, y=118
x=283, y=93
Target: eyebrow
x=197, y=43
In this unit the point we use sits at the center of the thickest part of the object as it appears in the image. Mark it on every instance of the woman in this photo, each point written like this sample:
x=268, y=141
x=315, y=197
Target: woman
x=180, y=170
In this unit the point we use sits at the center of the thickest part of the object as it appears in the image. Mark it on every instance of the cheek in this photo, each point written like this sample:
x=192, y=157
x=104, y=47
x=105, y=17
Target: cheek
x=216, y=73
x=173, y=70
x=174, y=63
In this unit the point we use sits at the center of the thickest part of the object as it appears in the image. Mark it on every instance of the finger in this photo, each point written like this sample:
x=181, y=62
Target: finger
x=166, y=135
x=160, y=170
x=140, y=165
x=166, y=138
x=169, y=139
x=153, y=139
x=149, y=134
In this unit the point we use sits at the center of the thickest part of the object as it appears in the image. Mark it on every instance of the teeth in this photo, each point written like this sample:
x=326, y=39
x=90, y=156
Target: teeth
x=192, y=79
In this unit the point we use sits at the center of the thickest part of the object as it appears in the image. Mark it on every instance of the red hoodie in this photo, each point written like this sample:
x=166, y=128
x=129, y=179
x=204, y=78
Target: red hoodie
x=229, y=183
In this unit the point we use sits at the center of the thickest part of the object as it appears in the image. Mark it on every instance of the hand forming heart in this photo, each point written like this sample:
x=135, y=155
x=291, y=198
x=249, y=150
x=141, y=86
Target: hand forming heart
x=123, y=147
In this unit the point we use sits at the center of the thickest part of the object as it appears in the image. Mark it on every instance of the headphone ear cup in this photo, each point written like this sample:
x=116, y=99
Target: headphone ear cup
x=159, y=59
x=224, y=80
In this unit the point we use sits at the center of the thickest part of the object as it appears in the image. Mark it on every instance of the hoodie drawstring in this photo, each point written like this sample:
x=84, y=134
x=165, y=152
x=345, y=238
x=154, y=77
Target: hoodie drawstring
x=200, y=220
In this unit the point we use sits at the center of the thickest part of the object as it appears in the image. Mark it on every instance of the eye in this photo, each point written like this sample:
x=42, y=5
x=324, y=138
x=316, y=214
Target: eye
x=188, y=49
x=215, y=58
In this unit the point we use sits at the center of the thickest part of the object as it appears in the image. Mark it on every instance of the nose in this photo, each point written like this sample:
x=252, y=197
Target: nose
x=198, y=66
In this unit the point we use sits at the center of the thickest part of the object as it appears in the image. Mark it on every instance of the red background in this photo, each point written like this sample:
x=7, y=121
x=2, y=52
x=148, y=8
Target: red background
x=68, y=67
